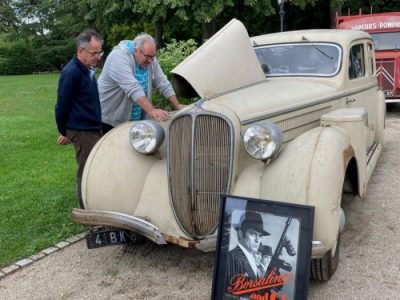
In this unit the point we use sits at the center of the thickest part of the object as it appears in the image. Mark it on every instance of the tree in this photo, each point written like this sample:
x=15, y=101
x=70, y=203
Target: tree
x=8, y=20
x=202, y=12
x=43, y=39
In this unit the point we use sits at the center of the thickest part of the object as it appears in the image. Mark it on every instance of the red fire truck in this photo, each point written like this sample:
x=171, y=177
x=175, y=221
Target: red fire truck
x=385, y=30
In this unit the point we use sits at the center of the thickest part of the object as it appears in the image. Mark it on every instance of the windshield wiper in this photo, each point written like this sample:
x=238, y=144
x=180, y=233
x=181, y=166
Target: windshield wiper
x=316, y=48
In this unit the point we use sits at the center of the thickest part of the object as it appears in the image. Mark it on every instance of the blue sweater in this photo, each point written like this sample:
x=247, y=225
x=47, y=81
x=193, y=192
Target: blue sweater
x=78, y=103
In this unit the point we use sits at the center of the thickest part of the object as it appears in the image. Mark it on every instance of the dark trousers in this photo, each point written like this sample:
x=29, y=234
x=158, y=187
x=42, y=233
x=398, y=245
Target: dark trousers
x=106, y=127
x=83, y=142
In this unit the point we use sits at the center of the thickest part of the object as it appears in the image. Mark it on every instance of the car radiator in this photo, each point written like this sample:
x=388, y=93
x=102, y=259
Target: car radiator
x=199, y=170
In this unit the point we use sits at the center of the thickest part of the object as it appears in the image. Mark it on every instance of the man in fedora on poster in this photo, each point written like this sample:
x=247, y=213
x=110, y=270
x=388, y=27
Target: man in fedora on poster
x=241, y=259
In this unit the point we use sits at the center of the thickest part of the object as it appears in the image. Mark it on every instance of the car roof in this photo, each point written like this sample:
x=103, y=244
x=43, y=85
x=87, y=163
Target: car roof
x=340, y=36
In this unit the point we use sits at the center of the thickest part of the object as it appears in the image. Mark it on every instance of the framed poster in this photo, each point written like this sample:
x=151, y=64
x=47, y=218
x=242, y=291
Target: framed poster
x=263, y=250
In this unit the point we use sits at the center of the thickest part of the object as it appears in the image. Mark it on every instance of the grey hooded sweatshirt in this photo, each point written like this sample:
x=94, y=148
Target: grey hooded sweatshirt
x=118, y=87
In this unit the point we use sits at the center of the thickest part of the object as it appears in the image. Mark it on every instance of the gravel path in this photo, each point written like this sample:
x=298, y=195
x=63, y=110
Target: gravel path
x=369, y=265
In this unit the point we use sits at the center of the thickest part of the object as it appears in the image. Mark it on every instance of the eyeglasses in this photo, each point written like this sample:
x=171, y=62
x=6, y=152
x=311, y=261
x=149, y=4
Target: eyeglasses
x=100, y=53
x=149, y=57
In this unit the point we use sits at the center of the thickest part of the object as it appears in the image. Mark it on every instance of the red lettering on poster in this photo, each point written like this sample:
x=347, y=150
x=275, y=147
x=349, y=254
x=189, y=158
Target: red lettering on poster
x=239, y=285
x=267, y=296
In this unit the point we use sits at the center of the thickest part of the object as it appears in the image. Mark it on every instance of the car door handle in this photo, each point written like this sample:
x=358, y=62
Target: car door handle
x=348, y=100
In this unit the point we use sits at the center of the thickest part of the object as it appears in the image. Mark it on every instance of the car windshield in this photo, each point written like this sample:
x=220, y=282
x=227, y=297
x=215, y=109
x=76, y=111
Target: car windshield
x=302, y=59
x=386, y=40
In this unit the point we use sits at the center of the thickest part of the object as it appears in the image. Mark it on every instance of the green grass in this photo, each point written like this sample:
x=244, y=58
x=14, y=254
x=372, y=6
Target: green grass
x=37, y=176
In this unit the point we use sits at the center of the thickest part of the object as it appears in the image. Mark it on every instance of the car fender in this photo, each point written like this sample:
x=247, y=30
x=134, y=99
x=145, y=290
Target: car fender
x=310, y=170
x=116, y=178
x=115, y=173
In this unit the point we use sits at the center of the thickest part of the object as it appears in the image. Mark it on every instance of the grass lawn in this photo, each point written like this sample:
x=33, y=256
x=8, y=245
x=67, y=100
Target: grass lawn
x=37, y=176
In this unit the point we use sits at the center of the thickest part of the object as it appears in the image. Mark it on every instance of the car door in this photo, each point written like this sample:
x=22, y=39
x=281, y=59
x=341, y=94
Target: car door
x=363, y=83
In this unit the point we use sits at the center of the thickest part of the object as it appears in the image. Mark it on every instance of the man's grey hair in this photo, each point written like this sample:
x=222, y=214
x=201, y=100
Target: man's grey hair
x=141, y=38
x=84, y=38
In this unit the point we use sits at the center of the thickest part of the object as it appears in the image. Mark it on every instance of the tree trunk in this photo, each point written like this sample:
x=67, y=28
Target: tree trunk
x=208, y=29
x=335, y=11
x=159, y=32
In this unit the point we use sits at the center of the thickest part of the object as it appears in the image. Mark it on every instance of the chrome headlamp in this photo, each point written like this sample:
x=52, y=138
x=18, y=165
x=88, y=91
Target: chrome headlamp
x=146, y=136
x=262, y=140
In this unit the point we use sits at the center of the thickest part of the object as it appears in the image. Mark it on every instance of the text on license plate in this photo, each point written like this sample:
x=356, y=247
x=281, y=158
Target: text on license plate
x=109, y=237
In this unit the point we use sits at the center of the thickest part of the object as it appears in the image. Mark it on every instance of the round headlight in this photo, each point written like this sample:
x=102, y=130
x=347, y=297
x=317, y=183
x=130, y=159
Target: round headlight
x=262, y=140
x=146, y=136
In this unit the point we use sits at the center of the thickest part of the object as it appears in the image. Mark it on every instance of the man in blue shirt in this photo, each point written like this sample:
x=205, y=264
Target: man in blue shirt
x=78, y=112
x=130, y=74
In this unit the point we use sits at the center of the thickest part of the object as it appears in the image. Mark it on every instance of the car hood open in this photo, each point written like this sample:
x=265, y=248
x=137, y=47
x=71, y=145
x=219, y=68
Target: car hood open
x=224, y=63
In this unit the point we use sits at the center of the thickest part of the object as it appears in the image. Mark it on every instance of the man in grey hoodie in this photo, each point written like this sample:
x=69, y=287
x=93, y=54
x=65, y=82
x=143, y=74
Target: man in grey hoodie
x=125, y=85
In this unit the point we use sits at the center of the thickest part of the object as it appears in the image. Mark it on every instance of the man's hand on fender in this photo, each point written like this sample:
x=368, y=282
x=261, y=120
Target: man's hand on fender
x=158, y=114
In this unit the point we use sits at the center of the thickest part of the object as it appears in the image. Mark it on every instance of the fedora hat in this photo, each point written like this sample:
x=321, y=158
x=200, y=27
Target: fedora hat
x=253, y=220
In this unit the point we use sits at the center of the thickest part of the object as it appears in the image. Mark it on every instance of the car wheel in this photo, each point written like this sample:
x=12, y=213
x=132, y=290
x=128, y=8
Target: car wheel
x=323, y=268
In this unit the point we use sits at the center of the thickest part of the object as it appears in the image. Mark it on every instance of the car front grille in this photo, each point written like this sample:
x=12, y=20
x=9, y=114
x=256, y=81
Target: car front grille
x=199, y=166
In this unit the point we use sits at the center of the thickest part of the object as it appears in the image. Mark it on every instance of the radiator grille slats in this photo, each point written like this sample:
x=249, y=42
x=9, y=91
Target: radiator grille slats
x=179, y=170
x=199, y=169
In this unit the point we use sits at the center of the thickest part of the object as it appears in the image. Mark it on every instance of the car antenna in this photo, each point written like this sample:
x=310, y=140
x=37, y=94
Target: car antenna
x=315, y=47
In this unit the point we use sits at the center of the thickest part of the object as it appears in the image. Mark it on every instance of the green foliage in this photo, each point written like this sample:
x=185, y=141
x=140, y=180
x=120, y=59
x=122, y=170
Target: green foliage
x=37, y=191
x=126, y=32
x=48, y=27
x=169, y=57
x=27, y=57
x=16, y=58
x=175, y=52
x=47, y=30
x=8, y=18
x=365, y=6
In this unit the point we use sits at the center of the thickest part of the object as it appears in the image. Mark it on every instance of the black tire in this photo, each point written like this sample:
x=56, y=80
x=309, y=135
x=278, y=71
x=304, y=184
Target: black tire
x=322, y=269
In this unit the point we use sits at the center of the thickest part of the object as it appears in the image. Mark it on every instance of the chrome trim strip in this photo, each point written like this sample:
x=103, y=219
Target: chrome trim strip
x=299, y=107
x=371, y=151
x=192, y=168
x=392, y=100
x=318, y=249
x=119, y=220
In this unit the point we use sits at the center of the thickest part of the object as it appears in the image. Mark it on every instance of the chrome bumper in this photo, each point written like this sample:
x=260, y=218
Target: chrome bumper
x=148, y=230
x=119, y=220
x=318, y=249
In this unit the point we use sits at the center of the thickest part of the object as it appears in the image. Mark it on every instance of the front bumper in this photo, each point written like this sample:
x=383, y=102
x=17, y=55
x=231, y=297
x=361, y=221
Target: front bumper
x=148, y=230
x=119, y=220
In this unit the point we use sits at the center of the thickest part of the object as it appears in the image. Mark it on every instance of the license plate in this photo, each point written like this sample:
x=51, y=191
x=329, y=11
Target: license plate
x=110, y=237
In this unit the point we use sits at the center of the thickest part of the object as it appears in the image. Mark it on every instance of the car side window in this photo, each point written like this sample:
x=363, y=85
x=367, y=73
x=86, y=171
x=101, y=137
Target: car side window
x=357, y=63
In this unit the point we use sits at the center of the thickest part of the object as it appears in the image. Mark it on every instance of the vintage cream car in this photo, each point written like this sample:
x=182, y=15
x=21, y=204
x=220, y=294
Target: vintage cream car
x=295, y=117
